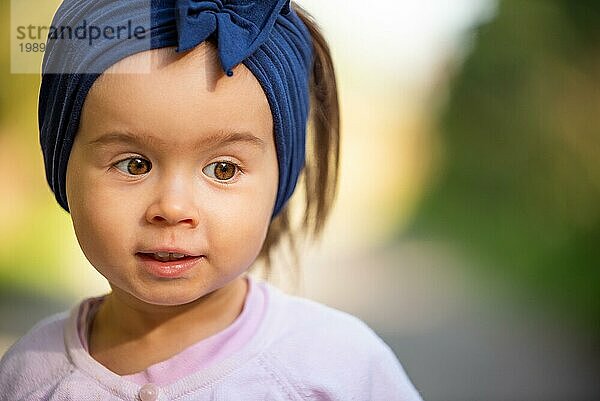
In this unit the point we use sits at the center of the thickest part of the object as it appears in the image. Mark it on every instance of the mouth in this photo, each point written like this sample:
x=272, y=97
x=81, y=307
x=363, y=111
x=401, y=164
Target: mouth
x=166, y=256
x=163, y=264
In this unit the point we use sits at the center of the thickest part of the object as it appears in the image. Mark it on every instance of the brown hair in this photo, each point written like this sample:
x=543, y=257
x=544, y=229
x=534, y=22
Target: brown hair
x=320, y=175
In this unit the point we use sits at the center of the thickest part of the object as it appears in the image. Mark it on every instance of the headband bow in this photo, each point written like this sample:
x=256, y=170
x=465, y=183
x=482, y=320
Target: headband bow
x=268, y=37
x=241, y=26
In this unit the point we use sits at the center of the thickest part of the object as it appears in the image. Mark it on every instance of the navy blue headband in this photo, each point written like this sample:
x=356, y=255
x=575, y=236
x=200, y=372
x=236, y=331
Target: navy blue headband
x=268, y=37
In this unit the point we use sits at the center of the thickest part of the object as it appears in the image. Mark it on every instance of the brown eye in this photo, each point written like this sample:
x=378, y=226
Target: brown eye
x=134, y=166
x=223, y=171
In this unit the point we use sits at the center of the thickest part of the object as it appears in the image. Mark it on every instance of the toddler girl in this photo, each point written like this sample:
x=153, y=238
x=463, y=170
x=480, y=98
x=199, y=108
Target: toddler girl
x=175, y=150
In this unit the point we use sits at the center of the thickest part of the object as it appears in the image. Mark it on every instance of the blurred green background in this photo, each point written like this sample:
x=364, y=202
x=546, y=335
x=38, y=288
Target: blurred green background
x=520, y=181
x=467, y=228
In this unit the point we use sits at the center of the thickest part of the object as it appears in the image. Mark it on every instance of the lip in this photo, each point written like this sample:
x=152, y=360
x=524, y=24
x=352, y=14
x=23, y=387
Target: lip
x=169, y=269
x=170, y=250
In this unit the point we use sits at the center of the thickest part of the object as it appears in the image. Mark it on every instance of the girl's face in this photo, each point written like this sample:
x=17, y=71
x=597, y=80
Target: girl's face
x=181, y=159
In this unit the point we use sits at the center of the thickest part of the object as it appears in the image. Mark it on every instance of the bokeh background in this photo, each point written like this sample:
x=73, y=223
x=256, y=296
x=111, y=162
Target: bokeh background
x=466, y=232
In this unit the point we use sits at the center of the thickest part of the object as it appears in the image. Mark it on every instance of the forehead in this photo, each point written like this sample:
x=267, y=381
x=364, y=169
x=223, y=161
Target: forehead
x=181, y=94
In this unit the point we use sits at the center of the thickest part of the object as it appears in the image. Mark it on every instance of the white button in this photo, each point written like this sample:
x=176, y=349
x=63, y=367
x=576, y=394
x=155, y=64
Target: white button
x=148, y=392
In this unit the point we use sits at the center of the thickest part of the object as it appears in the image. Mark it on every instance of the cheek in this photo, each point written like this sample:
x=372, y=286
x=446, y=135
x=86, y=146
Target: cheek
x=236, y=237
x=240, y=226
x=100, y=219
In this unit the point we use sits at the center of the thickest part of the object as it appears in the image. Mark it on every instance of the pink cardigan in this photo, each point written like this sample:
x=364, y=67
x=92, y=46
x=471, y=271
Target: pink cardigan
x=290, y=348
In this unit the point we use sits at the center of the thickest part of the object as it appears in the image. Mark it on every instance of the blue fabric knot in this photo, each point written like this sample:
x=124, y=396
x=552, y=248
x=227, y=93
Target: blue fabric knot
x=240, y=26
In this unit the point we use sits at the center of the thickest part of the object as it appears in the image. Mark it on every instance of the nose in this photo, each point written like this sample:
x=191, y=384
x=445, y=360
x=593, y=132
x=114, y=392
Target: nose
x=173, y=203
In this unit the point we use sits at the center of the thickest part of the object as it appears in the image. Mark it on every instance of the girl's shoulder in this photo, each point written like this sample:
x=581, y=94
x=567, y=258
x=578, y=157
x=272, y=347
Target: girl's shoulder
x=324, y=349
x=303, y=319
x=37, y=357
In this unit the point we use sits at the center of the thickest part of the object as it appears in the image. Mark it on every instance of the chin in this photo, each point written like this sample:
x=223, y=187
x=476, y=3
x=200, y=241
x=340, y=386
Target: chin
x=170, y=297
x=168, y=301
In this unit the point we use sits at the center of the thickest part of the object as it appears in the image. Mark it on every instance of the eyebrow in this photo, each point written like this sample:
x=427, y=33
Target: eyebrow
x=215, y=140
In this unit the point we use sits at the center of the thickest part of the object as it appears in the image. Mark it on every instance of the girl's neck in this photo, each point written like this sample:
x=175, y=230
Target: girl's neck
x=128, y=335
